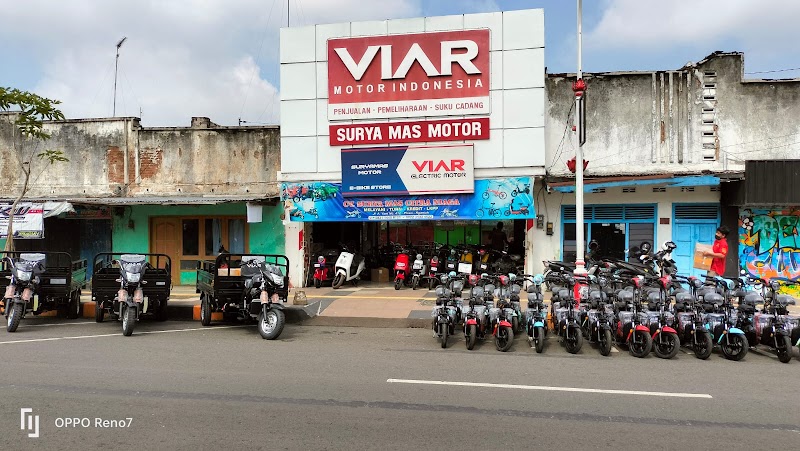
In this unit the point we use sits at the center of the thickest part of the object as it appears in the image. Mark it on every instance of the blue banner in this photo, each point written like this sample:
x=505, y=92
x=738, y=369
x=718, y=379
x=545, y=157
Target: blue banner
x=502, y=198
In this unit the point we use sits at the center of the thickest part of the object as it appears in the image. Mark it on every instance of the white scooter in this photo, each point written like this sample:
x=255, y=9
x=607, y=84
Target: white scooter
x=348, y=268
x=418, y=271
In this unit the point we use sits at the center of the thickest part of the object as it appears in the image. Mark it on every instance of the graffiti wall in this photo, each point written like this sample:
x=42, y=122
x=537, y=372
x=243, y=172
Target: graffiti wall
x=769, y=241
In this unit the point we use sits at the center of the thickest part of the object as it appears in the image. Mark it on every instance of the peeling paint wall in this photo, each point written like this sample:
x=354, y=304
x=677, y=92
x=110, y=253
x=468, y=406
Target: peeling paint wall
x=116, y=157
x=686, y=121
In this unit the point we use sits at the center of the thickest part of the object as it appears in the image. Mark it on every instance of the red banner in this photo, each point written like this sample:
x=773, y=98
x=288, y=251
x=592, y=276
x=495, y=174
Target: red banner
x=411, y=131
x=410, y=75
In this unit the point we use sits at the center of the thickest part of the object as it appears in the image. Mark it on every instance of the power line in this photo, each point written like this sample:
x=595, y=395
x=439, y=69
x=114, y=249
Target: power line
x=258, y=56
x=772, y=71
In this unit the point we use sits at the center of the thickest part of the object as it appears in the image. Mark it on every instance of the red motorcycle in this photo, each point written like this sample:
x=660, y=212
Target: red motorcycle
x=433, y=269
x=401, y=269
x=320, y=272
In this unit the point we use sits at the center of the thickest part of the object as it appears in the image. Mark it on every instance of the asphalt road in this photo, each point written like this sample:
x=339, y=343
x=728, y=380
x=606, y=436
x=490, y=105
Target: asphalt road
x=187, y=387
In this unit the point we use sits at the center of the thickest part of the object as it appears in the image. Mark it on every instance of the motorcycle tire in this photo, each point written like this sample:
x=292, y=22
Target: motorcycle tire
x=99, y=312
x=504, y=339
x=431, y=284
x=472, y=332
x=317, y=283
x=666, y=345
x=735, y=347
x=270, y=323
x=443, y=330
x=414, y=283
x=785, y=349
x=161, y=314
x=515, y=324
x=128, y=320
x=574, y=343
x=14, y=316
x=205, y=311
x=74, y=309
x=397, y=284
x=605, y=343
x=704, y=345
x=338, y=281
x=641, y=347
x=538, y=332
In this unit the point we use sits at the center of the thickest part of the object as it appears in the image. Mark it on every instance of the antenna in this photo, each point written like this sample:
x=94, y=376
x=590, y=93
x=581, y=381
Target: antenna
x=116, y=67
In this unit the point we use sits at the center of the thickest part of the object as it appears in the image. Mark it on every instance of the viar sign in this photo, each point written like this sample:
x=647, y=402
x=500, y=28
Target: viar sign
x=410, y=75
x=407, y=170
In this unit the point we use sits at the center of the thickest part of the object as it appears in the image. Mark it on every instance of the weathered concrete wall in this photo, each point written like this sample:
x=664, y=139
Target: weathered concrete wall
x=116, y=157
x=703, y=117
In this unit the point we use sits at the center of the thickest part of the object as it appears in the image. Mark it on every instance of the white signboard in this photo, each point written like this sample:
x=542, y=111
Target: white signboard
x=28, y=221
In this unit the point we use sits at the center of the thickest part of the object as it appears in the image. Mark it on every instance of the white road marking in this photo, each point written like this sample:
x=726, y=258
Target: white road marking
x=118, y=334
x=545, y=388
x=614, y=349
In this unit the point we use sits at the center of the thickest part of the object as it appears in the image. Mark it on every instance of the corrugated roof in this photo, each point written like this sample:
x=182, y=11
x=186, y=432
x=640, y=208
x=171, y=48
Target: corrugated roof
x=155, y=200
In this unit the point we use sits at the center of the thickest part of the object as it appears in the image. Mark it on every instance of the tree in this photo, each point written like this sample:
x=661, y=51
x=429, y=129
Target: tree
x=27, y=136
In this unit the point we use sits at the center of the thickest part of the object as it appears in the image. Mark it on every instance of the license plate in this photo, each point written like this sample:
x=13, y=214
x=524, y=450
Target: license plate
x=316, y=265
x=417, y=265
x=433, y=269
x=483, y=266
x=465, y=268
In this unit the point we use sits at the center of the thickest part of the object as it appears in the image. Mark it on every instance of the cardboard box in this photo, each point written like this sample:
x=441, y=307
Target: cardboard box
x=229, y=272
x=700, y=261
x=380, y=275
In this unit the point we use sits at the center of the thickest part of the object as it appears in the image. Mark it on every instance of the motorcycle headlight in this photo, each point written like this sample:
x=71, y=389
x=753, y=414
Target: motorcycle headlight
x=132, y=277
x=24, y=276
x=277, y=279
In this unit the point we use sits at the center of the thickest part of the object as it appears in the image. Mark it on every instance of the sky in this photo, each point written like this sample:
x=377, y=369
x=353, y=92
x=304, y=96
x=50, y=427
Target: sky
x=219, y=58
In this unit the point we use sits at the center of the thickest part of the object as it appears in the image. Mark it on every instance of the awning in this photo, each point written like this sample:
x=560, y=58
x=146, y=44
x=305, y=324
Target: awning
x=589, y=185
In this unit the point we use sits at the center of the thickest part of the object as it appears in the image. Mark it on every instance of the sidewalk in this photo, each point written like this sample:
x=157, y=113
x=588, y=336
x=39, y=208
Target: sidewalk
x=367, y=305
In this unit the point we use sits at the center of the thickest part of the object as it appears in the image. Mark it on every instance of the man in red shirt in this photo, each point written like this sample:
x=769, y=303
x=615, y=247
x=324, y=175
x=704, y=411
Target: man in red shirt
x=719, y=251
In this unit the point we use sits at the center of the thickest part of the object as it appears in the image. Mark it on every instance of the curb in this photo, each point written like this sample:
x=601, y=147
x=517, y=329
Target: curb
x=347, y=321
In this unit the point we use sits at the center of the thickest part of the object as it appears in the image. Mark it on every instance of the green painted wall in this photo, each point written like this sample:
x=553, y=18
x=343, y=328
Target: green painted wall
x=130, y=232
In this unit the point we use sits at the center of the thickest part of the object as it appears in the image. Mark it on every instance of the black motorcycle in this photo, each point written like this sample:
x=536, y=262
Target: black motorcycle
x=261, y=298
x=25, y=272
x=130, y=295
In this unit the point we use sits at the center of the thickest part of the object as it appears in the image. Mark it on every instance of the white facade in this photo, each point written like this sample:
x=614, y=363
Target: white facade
x=517, y=81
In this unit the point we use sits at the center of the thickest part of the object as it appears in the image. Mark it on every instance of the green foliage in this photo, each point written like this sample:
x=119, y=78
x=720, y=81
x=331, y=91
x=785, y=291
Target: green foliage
x=52, y=156
x=33, y=110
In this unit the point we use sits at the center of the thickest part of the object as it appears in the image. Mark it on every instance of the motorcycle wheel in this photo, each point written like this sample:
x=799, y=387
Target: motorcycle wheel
x=504, y=338
x=605, y=343
x=431, y=284
x=270, y=323
x=443, y=329
x=785, y=351
x=397, y=283
x=575, y=342
x=666, y=345
x=74, y=308
x=735, y=347
x=99, y=312
x=704, y=345
x=317, y=283
x=515, y=324
x=539, y=340
x=338, y=281
x=14, y=316
x=472, y=332
x=415, y=283
x=205, y=311
x=640, y=344
x=128, y=320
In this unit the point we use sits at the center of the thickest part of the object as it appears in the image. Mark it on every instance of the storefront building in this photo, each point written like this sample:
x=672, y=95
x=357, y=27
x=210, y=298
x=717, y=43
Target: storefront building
x=411, y=132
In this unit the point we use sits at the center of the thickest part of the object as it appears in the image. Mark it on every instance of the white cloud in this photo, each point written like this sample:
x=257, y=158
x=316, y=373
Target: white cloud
x=182, y=58
x=643, y=25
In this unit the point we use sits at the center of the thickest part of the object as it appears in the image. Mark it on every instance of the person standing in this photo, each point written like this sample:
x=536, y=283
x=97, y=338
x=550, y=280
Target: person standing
x=719, y=251
x=499, y=238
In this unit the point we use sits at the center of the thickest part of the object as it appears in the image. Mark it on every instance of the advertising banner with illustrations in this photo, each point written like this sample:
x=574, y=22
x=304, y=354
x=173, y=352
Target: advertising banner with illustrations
x=28, y=220
x=493, y=199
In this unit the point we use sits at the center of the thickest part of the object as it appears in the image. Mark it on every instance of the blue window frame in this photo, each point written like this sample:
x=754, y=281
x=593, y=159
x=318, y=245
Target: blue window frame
x=616, y=227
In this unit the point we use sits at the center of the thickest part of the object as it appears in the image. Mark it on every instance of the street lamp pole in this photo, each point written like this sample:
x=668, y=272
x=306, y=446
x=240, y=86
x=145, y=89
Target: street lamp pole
x=579, y=88
x=116, y=67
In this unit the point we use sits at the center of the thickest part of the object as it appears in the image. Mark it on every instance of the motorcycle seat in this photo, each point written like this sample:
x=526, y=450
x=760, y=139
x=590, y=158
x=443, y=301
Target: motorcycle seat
x=785, y=299
x=625, y=296
x=713, y=298
x=684, y=297
x=753, y=297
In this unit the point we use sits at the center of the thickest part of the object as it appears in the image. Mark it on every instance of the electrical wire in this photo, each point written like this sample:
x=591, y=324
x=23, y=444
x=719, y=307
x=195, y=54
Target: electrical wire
x=772, y=71
x=258, y=56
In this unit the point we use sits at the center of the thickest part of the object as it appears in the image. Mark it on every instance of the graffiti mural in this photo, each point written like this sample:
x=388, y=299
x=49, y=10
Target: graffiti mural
x=770, y=244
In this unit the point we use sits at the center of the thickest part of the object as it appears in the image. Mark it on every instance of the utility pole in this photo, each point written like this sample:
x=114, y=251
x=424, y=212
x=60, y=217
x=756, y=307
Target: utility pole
x=579, y=87
x=116, y=67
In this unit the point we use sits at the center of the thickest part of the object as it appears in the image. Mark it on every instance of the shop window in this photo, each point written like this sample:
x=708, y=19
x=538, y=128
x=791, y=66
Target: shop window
x=236, y=235
x=213, y=236
x=191, y=236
